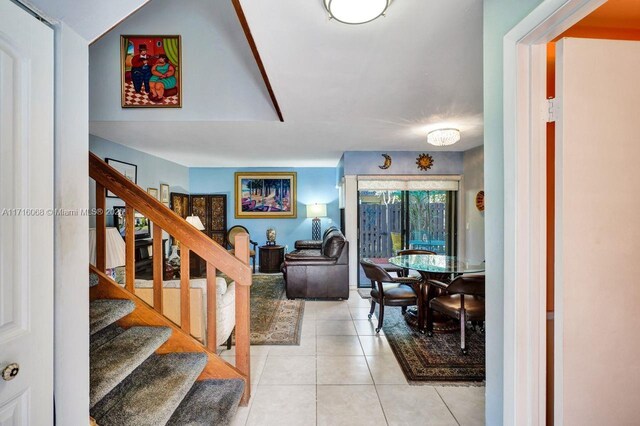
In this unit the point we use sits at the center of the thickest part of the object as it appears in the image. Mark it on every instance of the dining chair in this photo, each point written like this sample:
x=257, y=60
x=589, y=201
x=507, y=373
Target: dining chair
x=463, y=300
x=389, y=291
x=231, y=239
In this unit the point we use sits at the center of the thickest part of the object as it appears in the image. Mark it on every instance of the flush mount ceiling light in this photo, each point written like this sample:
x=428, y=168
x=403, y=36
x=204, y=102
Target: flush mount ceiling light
x=443, y=137
x=356, y=11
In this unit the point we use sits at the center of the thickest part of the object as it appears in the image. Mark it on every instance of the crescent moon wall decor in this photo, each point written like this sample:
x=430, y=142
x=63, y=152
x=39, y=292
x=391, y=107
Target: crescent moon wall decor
x=387, y=162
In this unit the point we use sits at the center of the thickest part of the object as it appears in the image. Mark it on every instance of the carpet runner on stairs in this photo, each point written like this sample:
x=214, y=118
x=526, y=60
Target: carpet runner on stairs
x=132, y=385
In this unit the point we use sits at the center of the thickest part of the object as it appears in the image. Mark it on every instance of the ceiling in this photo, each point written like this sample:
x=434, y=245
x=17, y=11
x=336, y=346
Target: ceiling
x=377, y=86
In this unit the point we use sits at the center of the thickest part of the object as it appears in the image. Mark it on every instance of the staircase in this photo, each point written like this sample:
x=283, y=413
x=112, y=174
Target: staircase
x=132, y=385
x=145, y=369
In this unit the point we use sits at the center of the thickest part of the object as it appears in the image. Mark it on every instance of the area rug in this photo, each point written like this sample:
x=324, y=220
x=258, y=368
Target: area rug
x=275, y=320
x=437, y=358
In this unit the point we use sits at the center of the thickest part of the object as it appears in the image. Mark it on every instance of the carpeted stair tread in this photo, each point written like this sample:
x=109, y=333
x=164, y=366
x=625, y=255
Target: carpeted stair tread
x=103, y=312
x=209, y=402
x=150, y=395
x=116, y=359
x=104, y=336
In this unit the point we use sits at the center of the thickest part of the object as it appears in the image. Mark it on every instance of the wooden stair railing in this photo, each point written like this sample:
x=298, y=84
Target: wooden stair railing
x=191, y=240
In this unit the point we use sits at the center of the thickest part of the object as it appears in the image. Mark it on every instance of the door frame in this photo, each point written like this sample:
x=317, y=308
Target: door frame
x=525, y=208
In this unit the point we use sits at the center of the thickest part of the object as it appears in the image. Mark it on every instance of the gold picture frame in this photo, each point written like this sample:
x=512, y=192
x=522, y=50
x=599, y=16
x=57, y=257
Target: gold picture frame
x=153, y=192
x=137, y=71
x=270, y=195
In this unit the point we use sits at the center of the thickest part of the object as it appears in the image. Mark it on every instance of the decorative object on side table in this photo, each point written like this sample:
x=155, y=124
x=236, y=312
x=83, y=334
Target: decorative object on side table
x=387, y=162
x=316, y=211
x=265, y=195
x=271, y=237
x=424, y=162
x=150, y=71
x=130, y=171
x=271, y=257
x=480, y=201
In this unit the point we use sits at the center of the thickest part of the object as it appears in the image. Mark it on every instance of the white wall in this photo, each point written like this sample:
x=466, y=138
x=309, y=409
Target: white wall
x=473, y=171
x=499, y=17
x=71, y=316
x=220, y=78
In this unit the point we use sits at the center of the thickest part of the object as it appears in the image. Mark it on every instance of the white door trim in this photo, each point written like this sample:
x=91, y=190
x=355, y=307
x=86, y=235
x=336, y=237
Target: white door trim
x=525, y=206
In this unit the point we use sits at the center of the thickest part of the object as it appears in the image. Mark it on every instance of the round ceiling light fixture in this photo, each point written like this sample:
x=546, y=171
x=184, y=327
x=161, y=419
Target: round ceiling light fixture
x=443, y=137
x=356, y=11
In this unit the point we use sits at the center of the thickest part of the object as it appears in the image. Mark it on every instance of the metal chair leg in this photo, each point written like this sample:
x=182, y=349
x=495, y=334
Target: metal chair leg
x=380, y=319
x=463, y=323
x=373, y=307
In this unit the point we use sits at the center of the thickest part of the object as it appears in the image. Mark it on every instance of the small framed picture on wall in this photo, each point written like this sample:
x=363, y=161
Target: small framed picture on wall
x=130, y=171
x=164, y=193
x=153, y=192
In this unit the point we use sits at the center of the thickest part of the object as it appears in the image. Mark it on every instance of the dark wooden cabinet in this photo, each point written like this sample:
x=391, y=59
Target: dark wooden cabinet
x=144, y=258
x=210, y=208
x=271, y=257
x=212, y=211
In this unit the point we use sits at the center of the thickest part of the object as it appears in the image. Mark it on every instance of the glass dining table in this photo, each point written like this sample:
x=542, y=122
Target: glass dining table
x=436, y=272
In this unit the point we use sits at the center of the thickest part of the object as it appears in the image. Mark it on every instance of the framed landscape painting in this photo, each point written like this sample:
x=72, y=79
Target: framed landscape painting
x=150, y=71
x=265, y=195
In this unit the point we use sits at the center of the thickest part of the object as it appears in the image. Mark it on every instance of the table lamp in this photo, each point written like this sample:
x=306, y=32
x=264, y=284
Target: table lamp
x=316, y=211
x=196, y=222
x=115, y=250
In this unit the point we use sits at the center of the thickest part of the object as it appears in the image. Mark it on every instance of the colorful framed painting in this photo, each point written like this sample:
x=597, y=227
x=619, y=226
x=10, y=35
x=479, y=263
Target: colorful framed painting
x=265, y=195
x=130, y=171
x=151, y=71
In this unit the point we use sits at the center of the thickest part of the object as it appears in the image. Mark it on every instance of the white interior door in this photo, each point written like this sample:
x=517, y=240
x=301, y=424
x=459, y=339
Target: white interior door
x=597, y=327
x=26, y=227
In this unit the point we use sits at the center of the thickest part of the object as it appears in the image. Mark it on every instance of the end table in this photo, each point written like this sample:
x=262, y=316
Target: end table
x=271, y=257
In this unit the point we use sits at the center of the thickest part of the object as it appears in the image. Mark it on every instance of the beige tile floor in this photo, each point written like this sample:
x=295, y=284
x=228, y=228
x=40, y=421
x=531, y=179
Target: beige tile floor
x=343, y=374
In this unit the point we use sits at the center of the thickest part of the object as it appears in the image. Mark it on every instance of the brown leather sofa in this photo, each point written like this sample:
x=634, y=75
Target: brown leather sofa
x=318, y=269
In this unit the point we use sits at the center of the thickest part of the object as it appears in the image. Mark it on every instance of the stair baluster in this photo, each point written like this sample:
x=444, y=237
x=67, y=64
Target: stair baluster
x=212, y=291
x=243, y=360
x=158, y=268
x=101, y=228
x=130, y=249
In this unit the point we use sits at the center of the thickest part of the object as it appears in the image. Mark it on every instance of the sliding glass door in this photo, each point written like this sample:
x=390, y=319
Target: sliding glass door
x=392, y=220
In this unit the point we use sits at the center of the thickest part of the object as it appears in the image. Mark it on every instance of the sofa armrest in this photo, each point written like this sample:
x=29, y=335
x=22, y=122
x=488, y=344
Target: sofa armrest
x=308, y=245
x=227, y=298
x=309, y=261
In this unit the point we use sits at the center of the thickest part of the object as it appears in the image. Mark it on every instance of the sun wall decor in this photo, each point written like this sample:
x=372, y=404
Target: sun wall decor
x=424, y=162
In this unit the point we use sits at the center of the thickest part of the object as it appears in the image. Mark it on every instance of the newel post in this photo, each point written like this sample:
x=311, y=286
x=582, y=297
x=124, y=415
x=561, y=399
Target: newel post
x=243, y=292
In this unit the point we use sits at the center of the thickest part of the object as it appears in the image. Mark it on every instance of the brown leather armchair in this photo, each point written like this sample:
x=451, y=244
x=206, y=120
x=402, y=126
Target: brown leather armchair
x=319, y=272
x=464, y=301
x=389, y=291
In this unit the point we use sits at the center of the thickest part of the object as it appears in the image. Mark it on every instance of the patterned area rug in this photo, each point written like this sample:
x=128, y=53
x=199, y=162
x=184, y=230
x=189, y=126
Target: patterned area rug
x=275, y=320
x=437, y=358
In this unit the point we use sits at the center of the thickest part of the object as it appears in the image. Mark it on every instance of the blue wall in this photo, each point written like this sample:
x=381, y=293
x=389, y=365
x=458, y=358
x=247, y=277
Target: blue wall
x=152, y=170
x=402, y=163
x=314, y=185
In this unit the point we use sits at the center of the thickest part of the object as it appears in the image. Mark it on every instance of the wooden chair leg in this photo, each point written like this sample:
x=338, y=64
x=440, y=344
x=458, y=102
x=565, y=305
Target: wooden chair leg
x=429, y=315
x=381, y=317
x=404, y=310
x=229, y=342
x=373, y=307
x=254, y=263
